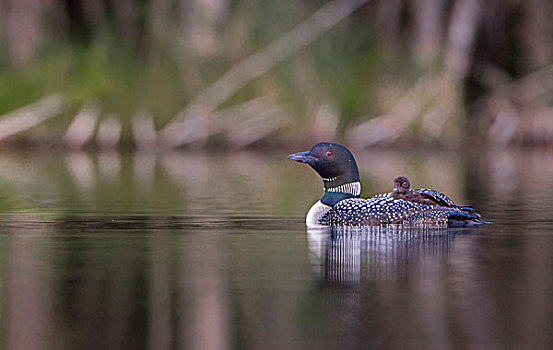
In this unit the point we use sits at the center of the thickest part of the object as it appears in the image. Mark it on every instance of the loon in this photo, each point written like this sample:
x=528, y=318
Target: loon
x=426, y=196
x=341, y=204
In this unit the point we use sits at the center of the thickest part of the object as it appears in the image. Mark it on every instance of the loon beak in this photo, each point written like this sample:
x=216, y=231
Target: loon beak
x=303, y=157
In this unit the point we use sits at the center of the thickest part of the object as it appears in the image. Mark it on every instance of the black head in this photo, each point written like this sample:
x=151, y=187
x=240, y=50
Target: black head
x=333, y=162
x=401, y=184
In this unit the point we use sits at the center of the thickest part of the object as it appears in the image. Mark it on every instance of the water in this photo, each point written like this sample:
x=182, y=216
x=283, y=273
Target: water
x=206, y=251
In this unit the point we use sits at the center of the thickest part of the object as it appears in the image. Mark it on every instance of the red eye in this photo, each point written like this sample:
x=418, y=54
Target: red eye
x=328, y=154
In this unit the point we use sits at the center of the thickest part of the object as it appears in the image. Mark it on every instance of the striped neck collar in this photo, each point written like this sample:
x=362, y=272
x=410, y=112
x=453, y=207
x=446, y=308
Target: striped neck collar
x=337, y=193
x=353, y=188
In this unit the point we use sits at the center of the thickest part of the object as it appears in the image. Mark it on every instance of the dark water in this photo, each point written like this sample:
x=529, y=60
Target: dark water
x=187, y=251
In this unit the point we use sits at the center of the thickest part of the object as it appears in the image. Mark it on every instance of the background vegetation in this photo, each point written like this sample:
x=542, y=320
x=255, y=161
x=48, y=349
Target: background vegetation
x=171, y=73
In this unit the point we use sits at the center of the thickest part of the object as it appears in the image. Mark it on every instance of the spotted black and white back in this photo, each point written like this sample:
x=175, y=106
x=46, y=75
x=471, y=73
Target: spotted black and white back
x=383, y=209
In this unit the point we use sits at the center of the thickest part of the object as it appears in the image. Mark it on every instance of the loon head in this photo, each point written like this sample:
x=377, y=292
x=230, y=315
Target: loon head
x=401, y=184
x=336, y=165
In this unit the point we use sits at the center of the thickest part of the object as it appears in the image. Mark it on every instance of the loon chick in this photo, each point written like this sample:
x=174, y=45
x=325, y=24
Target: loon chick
x=341, y=205
x=401, y=186
x=424, y=195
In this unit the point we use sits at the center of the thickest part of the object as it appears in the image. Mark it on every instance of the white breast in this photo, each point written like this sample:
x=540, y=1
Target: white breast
x=317, y=210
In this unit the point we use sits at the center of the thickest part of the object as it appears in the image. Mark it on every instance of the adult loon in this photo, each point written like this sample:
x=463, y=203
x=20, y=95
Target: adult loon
x=341, y=205
x=402, y=190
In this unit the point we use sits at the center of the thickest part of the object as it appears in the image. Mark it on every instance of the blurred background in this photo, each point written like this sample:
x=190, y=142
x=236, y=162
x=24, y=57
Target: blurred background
x=146, y=200
x=169, y=73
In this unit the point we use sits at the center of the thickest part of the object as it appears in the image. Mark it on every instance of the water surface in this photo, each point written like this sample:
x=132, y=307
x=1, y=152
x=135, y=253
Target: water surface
x=208, y=251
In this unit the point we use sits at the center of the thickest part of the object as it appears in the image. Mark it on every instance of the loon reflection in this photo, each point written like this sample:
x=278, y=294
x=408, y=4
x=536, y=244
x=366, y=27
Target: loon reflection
x=349, y=255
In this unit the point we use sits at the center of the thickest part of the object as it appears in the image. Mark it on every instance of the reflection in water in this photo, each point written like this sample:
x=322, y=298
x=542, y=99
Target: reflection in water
x=160, y=331
x=505, y=186
x=436, y=288
x=216, y=283
x=348, y=255
x=29, y=297
x=353, y=262
x=204, y=316
x=185, y=250
x=80, y=167
x=109, y=164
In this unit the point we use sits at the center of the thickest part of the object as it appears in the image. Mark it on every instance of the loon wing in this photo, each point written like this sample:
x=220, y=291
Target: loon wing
x=443, y=200
x=451, y=218
x=438, y=197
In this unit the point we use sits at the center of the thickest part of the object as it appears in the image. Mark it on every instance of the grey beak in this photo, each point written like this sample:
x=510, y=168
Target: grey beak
x=303, y=157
